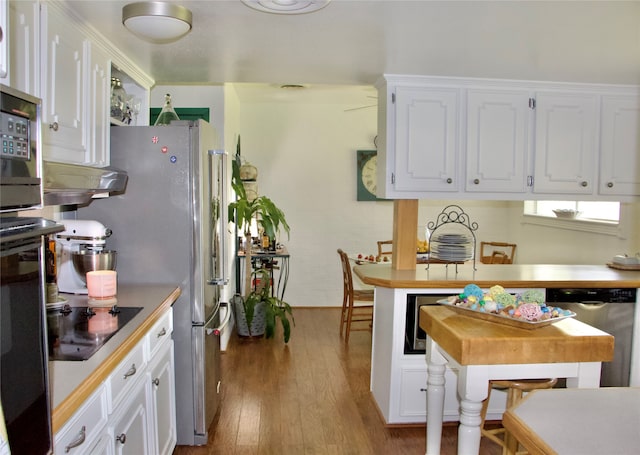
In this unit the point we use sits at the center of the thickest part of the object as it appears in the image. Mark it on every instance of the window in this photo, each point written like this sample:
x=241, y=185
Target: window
x=599, y=212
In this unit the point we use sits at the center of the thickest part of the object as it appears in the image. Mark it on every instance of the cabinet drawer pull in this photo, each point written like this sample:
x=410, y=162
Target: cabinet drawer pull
x=156, y=382
x=610, y=185
x=54, y=126
x=122, y=438
x=162, y=333
x=584, y=183
x=131, y=371
x=78, y=440
x=449, y=180
x=476, y=181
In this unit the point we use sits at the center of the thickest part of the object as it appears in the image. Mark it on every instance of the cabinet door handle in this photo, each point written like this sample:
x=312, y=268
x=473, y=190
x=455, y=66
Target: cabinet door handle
x=162, y=332
x=476, y=181
x=584, y=184
x=610, y=185
x=78, y=440
x=54, y=126
x=130, y=372
x=156, y=382
x=449, y=180
x=122, y=438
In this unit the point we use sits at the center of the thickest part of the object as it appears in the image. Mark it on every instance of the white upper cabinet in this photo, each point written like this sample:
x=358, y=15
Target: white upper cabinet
x=99, y=106
x=4, y=38
x=498, y=125
x=507, y=140
x=55, y=56
x=418, y=131
x=566, y=143
x=64, y=100
x=427, y=120
x=23, y=47
x=620, y=145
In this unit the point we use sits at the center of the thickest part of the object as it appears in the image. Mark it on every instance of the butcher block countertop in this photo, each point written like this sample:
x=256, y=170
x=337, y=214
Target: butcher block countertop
x=506, y=275
x=472, y=341
x=72, y=382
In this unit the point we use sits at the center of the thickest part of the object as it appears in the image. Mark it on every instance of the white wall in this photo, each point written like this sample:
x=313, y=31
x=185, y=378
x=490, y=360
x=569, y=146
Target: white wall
x=305, y=153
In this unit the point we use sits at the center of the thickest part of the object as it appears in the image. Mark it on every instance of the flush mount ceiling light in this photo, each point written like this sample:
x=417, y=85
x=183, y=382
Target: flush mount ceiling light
x=286, y=6
x=157, y=22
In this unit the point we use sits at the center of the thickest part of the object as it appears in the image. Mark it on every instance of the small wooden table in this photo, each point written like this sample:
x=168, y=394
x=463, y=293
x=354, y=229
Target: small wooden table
x=481, y=351
x=577, y=421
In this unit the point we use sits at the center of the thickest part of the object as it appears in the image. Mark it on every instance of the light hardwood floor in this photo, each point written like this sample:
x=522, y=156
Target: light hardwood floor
x=308, y=397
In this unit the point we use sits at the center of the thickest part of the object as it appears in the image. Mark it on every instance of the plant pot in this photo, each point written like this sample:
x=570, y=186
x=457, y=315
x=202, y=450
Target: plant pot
x=259, y=323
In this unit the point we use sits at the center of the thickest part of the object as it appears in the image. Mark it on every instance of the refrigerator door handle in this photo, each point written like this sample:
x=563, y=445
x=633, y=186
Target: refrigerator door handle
x=218, y=206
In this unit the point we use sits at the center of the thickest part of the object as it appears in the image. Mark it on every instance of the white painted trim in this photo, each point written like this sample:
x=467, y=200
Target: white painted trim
x=596, y=227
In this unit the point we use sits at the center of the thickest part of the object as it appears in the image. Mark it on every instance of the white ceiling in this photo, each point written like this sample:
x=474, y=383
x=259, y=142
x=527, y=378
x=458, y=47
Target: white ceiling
x=355, y=41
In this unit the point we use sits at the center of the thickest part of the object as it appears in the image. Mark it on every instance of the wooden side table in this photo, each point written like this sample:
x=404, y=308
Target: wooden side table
x=481, y=351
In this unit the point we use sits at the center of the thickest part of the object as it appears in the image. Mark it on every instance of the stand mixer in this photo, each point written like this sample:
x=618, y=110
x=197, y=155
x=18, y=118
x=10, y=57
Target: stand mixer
x=82, y=241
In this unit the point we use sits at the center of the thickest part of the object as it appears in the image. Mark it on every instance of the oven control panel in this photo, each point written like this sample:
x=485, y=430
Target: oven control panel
x=14, y=131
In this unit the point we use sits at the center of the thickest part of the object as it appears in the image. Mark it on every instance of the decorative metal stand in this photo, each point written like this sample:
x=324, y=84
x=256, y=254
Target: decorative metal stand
x=453, y=215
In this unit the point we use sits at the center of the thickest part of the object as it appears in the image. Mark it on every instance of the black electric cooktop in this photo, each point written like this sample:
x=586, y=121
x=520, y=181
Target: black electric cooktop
x=76, y=333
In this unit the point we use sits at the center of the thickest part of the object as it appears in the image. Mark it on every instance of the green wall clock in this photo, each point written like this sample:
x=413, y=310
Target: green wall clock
x=366, y=175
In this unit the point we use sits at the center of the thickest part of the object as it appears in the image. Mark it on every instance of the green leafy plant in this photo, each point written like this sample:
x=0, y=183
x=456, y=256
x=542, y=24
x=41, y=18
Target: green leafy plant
x=276, y=309
x=271, y=219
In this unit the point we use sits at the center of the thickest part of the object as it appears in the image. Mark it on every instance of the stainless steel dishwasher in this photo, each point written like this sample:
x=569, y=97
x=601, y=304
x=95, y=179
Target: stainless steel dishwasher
x=610, y=310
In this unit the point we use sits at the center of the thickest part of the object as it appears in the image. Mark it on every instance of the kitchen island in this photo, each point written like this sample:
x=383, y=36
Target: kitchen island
x=398, y=378
x=72, y=382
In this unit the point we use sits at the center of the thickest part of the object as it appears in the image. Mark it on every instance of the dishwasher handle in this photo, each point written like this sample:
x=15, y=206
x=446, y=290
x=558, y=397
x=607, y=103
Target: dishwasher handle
x=591, y=305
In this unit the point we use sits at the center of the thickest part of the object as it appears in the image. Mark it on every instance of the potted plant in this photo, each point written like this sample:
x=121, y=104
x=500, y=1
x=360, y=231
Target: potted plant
x=271, y=219
x=262, y=310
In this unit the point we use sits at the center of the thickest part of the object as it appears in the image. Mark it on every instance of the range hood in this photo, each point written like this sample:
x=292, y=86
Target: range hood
x=66, y=184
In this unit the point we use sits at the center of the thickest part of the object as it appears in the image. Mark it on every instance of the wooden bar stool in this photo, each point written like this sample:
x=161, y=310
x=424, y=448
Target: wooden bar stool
x=352, y=312
x=515, y=390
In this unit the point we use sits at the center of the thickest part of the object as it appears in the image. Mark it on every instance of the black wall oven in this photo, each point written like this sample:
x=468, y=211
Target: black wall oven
x=415, y=338
x=24, y=388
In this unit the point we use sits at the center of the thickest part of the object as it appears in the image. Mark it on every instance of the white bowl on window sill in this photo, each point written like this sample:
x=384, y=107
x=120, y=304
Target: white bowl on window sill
x=566, y=213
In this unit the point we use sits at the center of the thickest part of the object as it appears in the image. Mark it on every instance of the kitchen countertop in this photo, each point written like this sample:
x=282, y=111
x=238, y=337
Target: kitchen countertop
x=72, y=382
x=506, y=275
x=592, y=421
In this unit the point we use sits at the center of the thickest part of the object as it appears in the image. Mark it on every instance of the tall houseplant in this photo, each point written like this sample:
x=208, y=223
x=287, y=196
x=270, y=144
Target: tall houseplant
x=271, y=219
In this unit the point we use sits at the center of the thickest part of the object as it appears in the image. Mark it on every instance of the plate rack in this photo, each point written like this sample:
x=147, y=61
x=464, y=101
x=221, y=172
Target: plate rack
x=451, y=221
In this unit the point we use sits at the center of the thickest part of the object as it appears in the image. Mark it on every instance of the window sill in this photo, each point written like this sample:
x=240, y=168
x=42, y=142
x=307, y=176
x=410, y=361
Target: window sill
x=596, y=227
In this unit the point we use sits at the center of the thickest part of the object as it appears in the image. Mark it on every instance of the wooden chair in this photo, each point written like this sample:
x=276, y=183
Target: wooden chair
x=350, y=311
x=515, y=390
x=385, y=248
x=497, y=252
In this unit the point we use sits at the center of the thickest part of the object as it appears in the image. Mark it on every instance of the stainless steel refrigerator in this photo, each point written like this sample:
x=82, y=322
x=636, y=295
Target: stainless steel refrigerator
x=169, y=227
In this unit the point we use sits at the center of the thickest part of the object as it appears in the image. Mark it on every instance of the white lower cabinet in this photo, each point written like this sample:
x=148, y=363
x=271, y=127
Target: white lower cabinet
x=133, y=410
x=161, y=378
x=413, y=394
x=399, y=380
x=103, y=446
x=87, y=426
x=129, y=427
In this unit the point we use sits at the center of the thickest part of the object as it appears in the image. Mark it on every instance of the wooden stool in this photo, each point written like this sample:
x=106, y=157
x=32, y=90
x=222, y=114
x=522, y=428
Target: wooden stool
x=515, y=389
